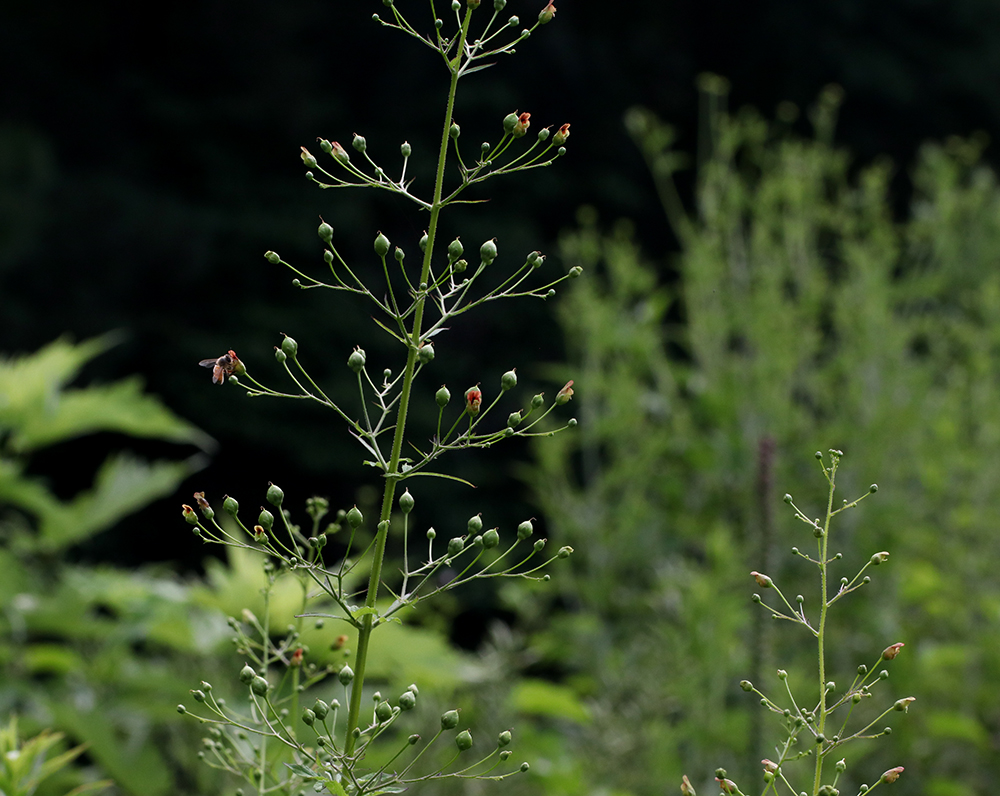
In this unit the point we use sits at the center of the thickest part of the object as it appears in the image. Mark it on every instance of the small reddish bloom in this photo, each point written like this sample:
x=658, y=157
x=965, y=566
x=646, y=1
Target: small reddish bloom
x=565, y=394
x=473, y=400
x=892, y=774
x=762, y=580
x=561, y=135
x=546, y=14
x=892, y=651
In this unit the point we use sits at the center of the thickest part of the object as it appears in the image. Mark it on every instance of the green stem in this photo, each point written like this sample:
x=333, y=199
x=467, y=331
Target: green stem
x=821, y=628
x=392, y=473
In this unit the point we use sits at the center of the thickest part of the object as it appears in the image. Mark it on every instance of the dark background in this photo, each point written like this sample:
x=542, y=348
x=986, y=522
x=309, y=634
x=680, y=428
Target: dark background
x=150, y=155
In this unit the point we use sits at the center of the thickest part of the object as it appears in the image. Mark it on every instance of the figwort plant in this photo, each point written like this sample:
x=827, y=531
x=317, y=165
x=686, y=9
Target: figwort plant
x=811, y=728
x=275, y=743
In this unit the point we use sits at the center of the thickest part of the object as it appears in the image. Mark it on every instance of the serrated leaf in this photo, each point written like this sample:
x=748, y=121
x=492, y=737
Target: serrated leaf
x=121, y=407
x=123, y=485
x=336, y=788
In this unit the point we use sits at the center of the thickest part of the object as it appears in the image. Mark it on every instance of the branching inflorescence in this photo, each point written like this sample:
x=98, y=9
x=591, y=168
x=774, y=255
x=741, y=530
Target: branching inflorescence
x=274, y=743
x=811, y=728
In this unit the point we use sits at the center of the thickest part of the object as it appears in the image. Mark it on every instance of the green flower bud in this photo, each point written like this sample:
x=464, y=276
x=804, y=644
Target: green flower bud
x=449, y=720
x=308, y=717
x=537, y=401
x=442, y=397
x=460, y=266
x=509, y=380
x=346, y=675
x=746, y=685
x=455, y=249
x=405, y=150
x=575, y=271
x=475, y=524
x=423, y=241
x=539, y=545
x=383, y=711
x=454, y=131
x=199, y=696
x=488, y=251
x=381, y=245
x=513, y=420
x=491, y=539
x=504, y=738
x=407, y=700
x=546, y=14
x=325, y=232
x=307, y=158
x=524, y=767
x=565, y=551
x=274, y=494
x=356, y=361
x=431, y=534
x=259, y=686
x=320, y=709
x=463, y=740
x=230, y=506
x=509, y=122
x=456, y=546
x=325, y=145
x=279, y=356
x=880, y=558
x=399, y=254
x=355, y=517
x=873, y=489
x=782, y=674
x=406, y=502
x=289, y=346
x=524, y=530
x=272, y=258
x=359, y=143
x=425, y=353
x=266, y=519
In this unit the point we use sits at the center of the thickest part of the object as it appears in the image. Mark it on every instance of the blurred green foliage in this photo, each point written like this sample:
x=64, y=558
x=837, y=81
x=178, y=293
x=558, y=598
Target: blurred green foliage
x=801, y=314
x=97, y=652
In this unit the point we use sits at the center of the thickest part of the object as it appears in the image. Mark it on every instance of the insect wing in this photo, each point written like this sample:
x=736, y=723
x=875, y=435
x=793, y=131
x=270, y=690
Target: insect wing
x=209, y=363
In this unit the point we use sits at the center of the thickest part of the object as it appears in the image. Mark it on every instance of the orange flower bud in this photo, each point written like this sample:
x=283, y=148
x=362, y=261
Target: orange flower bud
x=561, y=135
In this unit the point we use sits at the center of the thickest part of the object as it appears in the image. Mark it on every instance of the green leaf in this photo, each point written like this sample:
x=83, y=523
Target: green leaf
x=541, y=698
x=302, y=771
x=123, y=485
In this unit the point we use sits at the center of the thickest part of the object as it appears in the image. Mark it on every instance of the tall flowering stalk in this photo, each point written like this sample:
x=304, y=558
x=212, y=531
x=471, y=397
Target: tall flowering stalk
x=275, y=744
